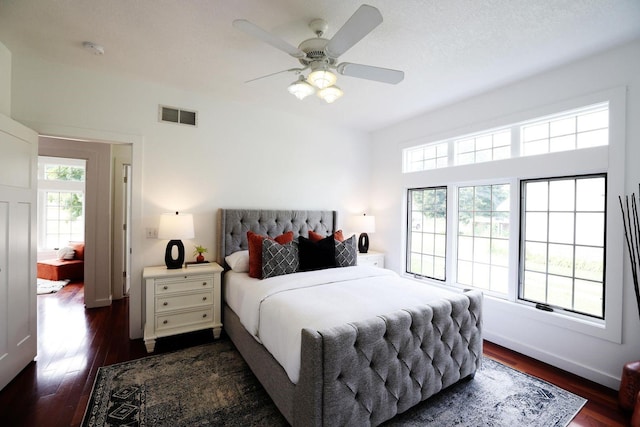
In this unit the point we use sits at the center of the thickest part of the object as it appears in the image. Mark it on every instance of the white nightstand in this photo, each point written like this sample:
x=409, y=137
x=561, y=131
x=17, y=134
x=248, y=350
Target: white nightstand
x=181, y=300
x=373, y=258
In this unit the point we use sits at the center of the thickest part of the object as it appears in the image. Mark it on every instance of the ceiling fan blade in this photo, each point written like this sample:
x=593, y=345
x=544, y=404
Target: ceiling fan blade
x=257, y=32
x=361, y=23
x=384, y=75
x=290, y=70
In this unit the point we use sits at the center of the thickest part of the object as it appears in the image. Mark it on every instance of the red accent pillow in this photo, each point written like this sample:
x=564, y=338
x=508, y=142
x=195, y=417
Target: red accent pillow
x=316, y=237
x=255, y=250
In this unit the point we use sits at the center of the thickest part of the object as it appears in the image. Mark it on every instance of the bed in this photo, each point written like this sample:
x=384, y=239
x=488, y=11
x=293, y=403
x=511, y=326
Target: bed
x=362, y=371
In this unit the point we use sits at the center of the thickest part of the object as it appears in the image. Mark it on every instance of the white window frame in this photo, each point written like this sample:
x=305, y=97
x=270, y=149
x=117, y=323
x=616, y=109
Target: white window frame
x=607, y=159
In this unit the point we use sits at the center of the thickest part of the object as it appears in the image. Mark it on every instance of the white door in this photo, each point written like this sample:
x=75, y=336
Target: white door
x=18, y=191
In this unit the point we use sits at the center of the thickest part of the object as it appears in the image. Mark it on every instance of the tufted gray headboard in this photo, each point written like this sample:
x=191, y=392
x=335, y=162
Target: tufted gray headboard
x=233, y=225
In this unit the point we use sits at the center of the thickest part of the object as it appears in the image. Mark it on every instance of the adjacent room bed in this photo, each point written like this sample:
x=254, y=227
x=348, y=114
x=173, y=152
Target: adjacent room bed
x=351, y=345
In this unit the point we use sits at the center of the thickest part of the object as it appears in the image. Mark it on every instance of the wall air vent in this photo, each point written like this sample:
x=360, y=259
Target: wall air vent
x=177, y=115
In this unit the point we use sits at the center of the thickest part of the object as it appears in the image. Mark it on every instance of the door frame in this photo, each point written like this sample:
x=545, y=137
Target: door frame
x=121, y=268
x=137, y=149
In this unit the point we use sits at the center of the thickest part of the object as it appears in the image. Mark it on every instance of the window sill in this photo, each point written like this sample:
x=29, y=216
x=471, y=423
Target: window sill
x=524, y=312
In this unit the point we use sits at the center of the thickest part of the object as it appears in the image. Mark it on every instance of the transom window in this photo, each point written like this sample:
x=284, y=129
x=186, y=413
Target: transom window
x=569, y=130
x=484, y=148
x=428, y=157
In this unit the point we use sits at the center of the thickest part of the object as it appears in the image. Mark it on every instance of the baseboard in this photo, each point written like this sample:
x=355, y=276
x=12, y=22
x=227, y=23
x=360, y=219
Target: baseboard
x=581, y=370
x=103, y=302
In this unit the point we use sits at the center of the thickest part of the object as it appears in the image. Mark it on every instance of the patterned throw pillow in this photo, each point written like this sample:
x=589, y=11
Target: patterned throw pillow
x=279, y=259
x=346, y=255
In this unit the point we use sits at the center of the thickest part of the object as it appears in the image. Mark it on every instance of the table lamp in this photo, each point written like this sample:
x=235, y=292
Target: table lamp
x=175, y=227
x=365, y=224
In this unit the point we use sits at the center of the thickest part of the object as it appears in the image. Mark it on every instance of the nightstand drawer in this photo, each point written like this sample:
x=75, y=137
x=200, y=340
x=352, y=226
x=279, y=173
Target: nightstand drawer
x=184, y=284
x=175, y=302
x=178, y=320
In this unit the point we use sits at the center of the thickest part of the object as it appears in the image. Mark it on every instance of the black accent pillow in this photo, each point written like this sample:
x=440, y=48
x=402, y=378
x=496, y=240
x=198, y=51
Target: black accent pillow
x=316, y=255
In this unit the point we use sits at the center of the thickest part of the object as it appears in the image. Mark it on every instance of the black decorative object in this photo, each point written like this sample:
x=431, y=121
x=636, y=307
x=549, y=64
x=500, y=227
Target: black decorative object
x=171, y=262
x=363, y=243
x=631, y=223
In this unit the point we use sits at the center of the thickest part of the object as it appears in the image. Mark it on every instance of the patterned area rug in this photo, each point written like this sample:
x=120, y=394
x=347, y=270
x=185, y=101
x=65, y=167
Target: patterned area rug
x=50, y=286
x=210, y=385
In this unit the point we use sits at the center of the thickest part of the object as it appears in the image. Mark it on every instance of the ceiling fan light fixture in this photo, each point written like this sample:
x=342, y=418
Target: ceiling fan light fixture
x=300, y=88
x=330, y=94
x=322, y=78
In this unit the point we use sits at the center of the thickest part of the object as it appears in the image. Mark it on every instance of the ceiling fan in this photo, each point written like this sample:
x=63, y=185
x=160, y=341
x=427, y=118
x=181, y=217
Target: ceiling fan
x=320, y=55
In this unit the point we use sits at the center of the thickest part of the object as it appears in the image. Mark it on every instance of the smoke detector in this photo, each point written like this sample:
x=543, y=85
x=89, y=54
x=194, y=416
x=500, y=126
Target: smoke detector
x=96, y=49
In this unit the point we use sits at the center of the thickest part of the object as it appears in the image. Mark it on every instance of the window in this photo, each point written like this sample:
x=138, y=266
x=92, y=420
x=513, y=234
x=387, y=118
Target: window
x=427, y=157
x=534, y=231
x=427, y=239
x=483, y=237
x=61, y=184
x=483, y=148
x=563, y=234
x=576, y=129
x=571, y=131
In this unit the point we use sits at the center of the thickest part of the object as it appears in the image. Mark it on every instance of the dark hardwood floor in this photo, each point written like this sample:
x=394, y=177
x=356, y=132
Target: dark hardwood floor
x=73, y=342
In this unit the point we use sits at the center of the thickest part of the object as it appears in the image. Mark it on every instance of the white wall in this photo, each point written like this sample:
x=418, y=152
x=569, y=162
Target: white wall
x=236, y=157
x=5, y=81
x=596, y=359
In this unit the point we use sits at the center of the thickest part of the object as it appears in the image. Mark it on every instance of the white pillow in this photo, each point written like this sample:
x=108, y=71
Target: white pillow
x=66, y=253
x=238, y=261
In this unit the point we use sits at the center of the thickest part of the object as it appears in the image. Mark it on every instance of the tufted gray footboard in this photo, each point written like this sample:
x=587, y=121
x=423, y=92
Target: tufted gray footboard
x=364, y=373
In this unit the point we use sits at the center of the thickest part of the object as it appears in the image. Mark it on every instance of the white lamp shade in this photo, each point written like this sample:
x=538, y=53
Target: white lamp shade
x=321, y=78
x=175, y=226
x=364, y=223
x=301, y=89
x=330, y=94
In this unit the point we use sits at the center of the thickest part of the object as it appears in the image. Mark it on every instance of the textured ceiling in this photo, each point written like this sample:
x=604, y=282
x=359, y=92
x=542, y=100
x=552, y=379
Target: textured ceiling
x=449, y=49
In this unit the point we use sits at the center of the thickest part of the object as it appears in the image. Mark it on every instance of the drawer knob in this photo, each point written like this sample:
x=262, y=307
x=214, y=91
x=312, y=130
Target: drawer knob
x=204, y=298
x=164, y=322
x=165, y=287
x=204, y=315
x=204, y=283
x=165, y=303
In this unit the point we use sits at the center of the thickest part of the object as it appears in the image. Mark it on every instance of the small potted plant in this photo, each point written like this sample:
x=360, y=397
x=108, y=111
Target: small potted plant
x=198, y=253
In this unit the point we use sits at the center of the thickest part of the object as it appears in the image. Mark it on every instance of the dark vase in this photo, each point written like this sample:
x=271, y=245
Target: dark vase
x=200, y=258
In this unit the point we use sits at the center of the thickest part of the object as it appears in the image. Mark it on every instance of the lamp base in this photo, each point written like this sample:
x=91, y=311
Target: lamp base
x=363, y=243
x=171, y=262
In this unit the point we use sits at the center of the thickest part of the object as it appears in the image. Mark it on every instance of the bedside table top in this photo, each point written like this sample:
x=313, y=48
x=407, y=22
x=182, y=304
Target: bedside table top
x=163, y=271
x=370, y=252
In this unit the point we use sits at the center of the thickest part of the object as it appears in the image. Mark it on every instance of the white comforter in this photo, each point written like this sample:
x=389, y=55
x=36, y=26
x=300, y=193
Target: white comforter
x=275, y=310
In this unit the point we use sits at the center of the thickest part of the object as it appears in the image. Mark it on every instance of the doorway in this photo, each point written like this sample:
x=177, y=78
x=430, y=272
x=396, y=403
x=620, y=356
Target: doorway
x=99, y=283
x=60, y=222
